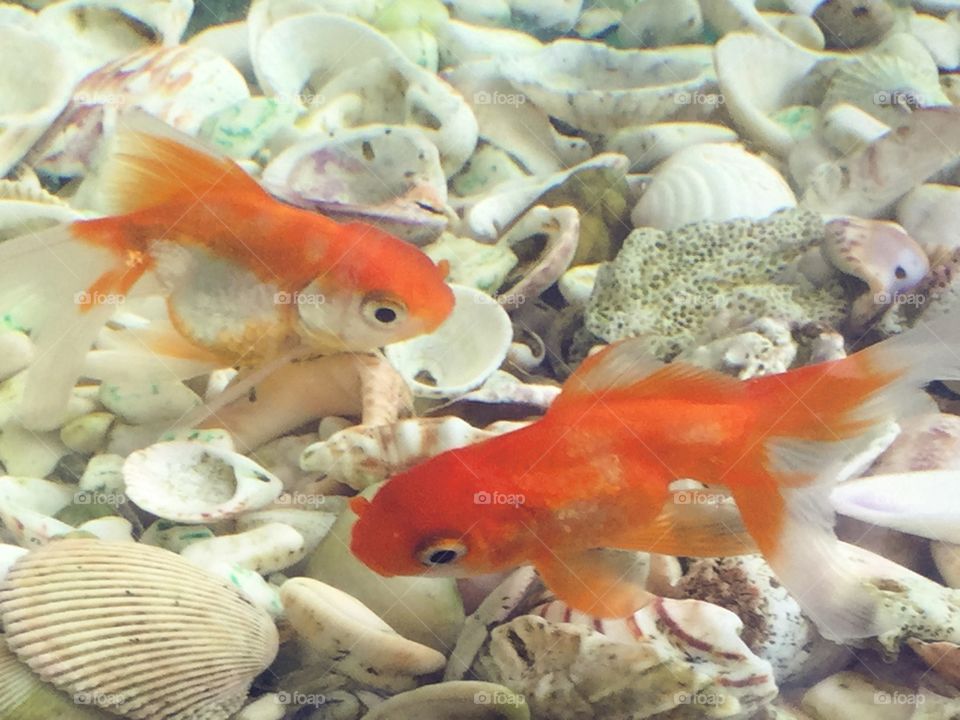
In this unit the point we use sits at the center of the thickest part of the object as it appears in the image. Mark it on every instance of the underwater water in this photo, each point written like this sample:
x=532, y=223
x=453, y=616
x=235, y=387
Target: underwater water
x=479, y=359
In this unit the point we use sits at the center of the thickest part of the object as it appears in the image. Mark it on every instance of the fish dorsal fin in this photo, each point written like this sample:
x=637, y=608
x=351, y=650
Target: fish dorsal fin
x=150, y=163
x=627, y=367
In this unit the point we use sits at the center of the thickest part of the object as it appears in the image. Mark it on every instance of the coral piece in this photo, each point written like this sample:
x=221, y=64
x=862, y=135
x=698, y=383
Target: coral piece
x=765, y=347
x=668, y=285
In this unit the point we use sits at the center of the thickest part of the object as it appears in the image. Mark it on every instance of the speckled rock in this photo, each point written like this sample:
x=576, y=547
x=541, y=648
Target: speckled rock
x=667, y=285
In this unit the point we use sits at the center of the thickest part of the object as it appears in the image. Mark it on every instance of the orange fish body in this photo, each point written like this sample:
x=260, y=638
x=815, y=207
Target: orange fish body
x=246, y=277
x=596, y=473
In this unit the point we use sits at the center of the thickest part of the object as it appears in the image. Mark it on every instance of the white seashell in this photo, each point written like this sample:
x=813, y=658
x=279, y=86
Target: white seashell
x=109, y=529
x=753, y=98
x=461, y=699
x=87, y=433
x=658, y=23
x=389, y=175
x=25, y=207
x=103, y=473
x=940, y=38
x=848, y=128
x=598, y=89
x=765, y=347
x=265, y=707
x=312, y=525
x=16, y=15
x=851, y=694
x=502, y=387
x=36, y=78
x=946, y=555
x=264, y=549
x=931, y=215
x=229, y=40
x=576, y=284
x=711, y=182
x=341, y=630
x=462, y=42
x=361, y=456
x=113, y=622
x=804, y=31
x=96, y=32
x=729, y=16
x=16, y=352
x=478, y=265
x=30, y=453
x=366, y=80
x=648, y=145
x=9, y=554
x=179, y=85
x=460, y=354
x=193, y=482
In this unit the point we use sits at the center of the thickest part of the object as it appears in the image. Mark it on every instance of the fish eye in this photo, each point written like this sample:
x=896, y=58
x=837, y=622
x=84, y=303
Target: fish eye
x=441, y=552
x=382, y=312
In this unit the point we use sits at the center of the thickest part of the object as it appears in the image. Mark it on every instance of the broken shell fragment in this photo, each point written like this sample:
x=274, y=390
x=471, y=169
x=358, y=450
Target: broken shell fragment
x=265, y=549
x=193, y=482
x=113, y=622
x=457, y=700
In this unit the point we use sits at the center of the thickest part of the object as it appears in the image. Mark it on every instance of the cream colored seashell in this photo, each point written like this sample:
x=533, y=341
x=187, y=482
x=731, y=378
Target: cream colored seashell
x=229, y=40
x=16, y=15
x=264, y=549
x=341, y=630
x=576, y=284
x=931, y=215
x=312, y=524
x=851, y=694
x=753, y=98
x=193, y=482
x=462, y=42
x=804, y=31
x=96, y=32
x=940, y=38
x=30, y=453
x=87, y=433
x=648, y=145
x=714, y=183
x=361, y=456
x=502, y=387
x=765, y=347
x=36, y=79
x=729, y=16
x=946, y=555
x=888, y=81
x=179, y=85
x=265, y=707
x=386, y=174
x=16, y=353
x=136, y=630
x=26, y=208
x=460, y=699
x=658, y=23
x=598, y=89
x=27, y=507
x=848, y=128
x=361, y=78
x=9, y=554
x=460, y=354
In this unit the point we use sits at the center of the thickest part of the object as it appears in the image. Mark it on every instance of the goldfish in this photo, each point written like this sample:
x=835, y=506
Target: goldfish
x=246, y=278
x=594, y=475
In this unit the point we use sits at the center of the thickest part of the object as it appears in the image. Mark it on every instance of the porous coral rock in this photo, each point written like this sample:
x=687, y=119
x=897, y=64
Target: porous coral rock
x=668, y=285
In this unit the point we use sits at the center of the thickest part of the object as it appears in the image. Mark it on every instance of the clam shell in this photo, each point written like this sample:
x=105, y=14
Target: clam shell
x=193, y=482
x=35, y=83
x=135, y=630
x=714, y=182
x=459, y=355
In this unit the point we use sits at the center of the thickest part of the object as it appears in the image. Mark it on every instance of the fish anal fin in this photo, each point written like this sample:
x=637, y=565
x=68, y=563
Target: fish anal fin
x=151, y=164
x=600, y=582
x=628, y=367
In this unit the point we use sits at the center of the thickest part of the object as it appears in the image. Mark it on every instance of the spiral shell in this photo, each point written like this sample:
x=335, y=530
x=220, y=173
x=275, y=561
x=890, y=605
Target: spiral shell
x=135, y=630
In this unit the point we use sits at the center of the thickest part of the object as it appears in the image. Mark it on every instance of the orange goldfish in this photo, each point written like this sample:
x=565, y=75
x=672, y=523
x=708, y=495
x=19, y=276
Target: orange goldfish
x=595, y=474
x=247, y=279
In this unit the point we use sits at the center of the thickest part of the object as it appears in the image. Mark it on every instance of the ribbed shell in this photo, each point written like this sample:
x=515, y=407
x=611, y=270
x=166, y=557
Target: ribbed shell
x=136, y=629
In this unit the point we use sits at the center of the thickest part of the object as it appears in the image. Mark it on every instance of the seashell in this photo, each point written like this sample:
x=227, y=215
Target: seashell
x=764, y=106
x=648, y=145
x=463, y=42
x=243, y=129
x=796, y=28
x=37, y=79
x=96, y=32
x=765, y=347
x=312, y=524
x=170, y=536
x=461, y=699
x=851, y=694
x=946, y=556
x=942, y=657
x=576, y=284
x=193, y=482
x=847, y=24
x=560, y=228
x=265, y=707
x=366, y=80
x=460, y=354
x=940, y=38
x=847, y=128
x=26, y=207
x=16, y=353
x=930, y=213
x=387, y=175
x=290, y=396
x=509, y=122
x=658, y=23
x=142, y=401
x=487, y=167
x=264, y=549
x=361, y=456
x=426, y=610
x=9, y=554
x=16, y=15
x=477, y=265
x=713, y=182
x=27, y=507
x=341, y=630
x=688, y=650
x=180, y=85
x=87, y=433
x=888, y=82
x=730, y=16
x=502, y=387
x=108, y=653
x=230, y=40
x=774, y=627
x=598, y=89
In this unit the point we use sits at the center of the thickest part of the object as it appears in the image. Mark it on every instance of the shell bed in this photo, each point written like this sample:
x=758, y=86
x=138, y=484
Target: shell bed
x=751, y=185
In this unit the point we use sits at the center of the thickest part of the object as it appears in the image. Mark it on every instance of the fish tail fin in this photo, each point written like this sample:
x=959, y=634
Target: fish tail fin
x=50, y=286
x=822, y=424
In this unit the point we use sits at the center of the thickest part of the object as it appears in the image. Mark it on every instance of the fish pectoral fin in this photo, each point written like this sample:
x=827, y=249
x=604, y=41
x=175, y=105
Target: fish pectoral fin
x=696, y=524
x=600, y=582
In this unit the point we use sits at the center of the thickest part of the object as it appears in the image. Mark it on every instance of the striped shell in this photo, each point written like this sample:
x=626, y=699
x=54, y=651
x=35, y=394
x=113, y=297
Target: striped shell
x=134, y=630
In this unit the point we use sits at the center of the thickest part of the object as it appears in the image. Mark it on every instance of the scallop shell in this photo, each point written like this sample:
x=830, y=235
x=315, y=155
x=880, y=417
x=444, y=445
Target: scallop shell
x=194, y=482
x=713, y=182
x=134, y=630
x=598, y=89
x=459, y=355
x=35, y=83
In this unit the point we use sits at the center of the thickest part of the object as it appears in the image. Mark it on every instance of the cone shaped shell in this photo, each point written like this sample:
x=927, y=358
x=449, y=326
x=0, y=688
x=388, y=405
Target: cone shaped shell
x=135, y=630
